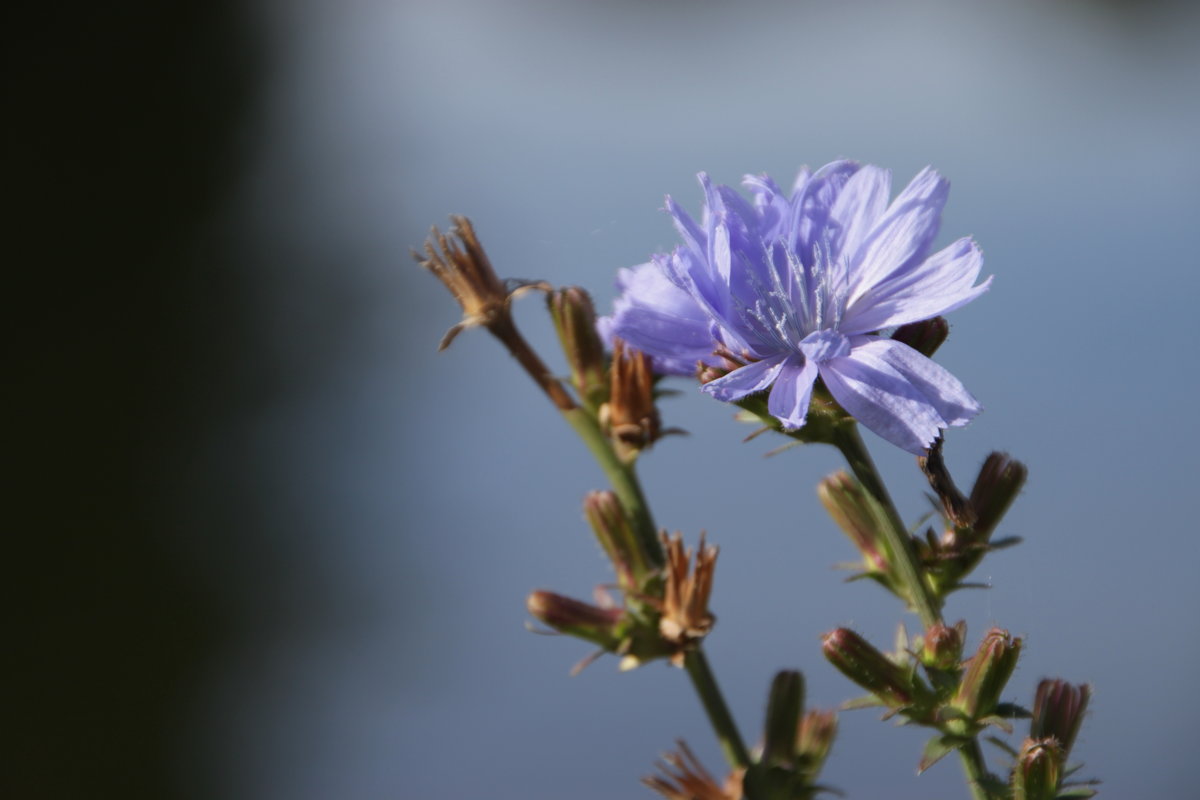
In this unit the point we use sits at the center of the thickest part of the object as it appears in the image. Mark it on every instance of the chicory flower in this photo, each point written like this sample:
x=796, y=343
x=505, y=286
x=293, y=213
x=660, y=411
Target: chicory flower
x=802, y=285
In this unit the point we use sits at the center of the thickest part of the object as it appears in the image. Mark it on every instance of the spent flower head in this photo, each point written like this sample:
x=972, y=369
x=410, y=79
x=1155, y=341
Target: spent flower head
x=683, y=777
x=685, y=616
x=800, y=285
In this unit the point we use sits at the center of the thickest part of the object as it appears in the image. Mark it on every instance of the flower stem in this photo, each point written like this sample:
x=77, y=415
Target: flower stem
x=623, y=478
x=928, y=607
x=705, y=683
x=973, y=764
x=848, y=440
x=624, y=481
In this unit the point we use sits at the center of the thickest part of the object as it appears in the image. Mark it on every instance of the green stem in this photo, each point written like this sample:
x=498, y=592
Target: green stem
x=908, y=570
x=623, y=479
x=973, y=764
x=850, y=443
x=705, y=683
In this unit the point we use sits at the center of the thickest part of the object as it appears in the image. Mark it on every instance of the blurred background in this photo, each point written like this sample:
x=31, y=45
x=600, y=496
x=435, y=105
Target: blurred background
x=269, y=544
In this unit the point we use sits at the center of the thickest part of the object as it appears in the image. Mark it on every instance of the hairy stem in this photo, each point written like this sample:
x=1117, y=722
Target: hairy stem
x=848, y=440
x=928, y=607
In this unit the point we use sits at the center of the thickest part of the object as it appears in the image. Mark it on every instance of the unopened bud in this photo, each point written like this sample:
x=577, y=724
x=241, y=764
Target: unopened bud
x=574, y=617
x=611, y=526
x=1038, y=770
x=1058, y=709
x=872, y=670
x=860, y=517
x=987, y=673
x=1000, y=480
x=575, y=322
x=925, y=337
x=941, y=647
x=817, y=732
x=784, y=709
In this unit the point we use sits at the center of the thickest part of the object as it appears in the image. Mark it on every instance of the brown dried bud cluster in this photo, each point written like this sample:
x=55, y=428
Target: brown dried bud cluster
x=685, y=616
x=685, y=778
x=461, y=264
x=630, y=414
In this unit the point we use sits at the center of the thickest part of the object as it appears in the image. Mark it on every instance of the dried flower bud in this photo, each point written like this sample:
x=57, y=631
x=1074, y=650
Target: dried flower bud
x=465, y=270
x=958, y=511
x=1000, y=480
x=576, y=618
x=817, y=732
x=987, y=673
x=685, y=778
x=1058, y=709
x=784, y=709
x=608, y=519
x=860, y=517
x=872, y=670
x=1038, y=770
x=685, y=616
x=575, y=322
x=941, y=647
x=630, y=415
x=925, y=337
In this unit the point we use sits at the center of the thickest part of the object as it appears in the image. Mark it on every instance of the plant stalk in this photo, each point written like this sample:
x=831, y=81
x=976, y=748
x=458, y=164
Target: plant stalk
x=928, y=607
x=705, y=683
x=848, y=440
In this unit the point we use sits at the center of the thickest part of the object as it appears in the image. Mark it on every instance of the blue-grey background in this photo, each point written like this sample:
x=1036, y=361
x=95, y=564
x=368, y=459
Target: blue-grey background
x=353, y=520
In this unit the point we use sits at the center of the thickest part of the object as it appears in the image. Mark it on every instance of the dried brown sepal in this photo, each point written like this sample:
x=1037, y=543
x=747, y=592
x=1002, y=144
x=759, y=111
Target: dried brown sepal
x=683, y=777
x=630, y=415
x=957, y=508
x=460, y=263
x=685, y=616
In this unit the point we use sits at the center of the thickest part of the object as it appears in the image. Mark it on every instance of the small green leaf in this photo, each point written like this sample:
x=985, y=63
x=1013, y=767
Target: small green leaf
x=1012, y=711
x=1003, y=745
x=936, y=749
x=869, y=701
x=1006, y=541
x=1077, y=793
x=999, y=722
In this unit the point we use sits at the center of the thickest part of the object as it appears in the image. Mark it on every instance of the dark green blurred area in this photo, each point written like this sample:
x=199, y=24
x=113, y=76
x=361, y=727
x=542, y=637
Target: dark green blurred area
x=125, y=130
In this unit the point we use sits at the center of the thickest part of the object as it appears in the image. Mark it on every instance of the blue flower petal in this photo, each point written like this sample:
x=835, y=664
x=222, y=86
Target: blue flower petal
x=943, y=282
x=946, y=393
x=858, y=207
x=791, y=394
x=903, y=236
x=754, y=377
x=882, y=399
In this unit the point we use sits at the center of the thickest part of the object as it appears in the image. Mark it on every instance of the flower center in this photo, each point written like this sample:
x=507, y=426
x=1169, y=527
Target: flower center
x=796, y=307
